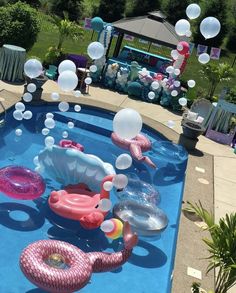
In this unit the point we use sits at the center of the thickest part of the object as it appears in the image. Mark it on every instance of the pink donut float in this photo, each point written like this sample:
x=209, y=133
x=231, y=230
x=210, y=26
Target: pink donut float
x=36, y=264
x=136, y=146
x=21, y=183
x=66, y=143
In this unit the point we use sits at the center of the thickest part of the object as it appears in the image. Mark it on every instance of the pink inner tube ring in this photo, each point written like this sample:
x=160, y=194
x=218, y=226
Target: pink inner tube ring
x=56, y=280
x=21, y=183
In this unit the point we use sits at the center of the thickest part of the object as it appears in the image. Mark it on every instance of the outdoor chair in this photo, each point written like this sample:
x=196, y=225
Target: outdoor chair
x=51, y=72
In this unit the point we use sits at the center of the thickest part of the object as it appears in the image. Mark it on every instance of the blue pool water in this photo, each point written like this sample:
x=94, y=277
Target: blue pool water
x=150, y=267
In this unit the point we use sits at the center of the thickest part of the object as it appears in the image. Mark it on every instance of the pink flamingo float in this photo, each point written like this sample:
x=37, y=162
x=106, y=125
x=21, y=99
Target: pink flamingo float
x=136, y=146
x=41, y=262
x=78, y=202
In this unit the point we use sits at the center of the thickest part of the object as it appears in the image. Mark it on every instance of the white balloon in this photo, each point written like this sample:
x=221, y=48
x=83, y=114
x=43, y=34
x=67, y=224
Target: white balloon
x=120, y=181
x=188, y=34
x=50, y=123
x=127, y=123
x=155, y=85
x=27, y=97
x=177, y=83
x=67, y=81
x=77, y=94
x=170, y=123
x=49, y=115
x=180, y=47
x=88, y=80
x=27, y=115
x=214, y=104
x=63, y=106
x=36, y=160
x=204, y=58
x=210, y=27
x=93, y=68
x=31, y=87
x=66, y=65
x=193, y=11
x=18, y=115
x=95, y=50
x=18, y=132
x=105, y=205
x=183, y=102
x=191, y=83
x=20, y=106
x=55, y=96
x=70, y=124
x=174, y=93
x=177, y=71
x=124, y=161
x=33, y=68
x=49, y=141
x=170, y=69
x=151, y=95
x=77, y=108
x=45, y=131
x=107, y=226
x=65, y=134
x=182, y=26
x=107, y=185
x=174, y=54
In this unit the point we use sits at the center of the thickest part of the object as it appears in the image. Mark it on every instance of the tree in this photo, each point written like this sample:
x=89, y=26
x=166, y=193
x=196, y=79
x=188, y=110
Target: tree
x=175, y=10
x=19, y=25
x=71, y=7
x=218, y=9
x=33, y=3
x=111, y=11
x=231, y=40
x=142, y=7
x=216, y=73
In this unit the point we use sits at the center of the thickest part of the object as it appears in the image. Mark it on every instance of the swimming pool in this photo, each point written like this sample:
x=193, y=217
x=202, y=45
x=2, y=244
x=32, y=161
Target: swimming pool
x=22, y=222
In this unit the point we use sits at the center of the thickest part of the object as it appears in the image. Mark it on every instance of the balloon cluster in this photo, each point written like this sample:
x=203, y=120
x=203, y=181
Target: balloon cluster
x=20, y=113
x=68, y=79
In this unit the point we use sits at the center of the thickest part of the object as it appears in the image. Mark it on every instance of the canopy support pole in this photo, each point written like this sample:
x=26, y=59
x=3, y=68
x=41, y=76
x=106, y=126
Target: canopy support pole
x=118, y=44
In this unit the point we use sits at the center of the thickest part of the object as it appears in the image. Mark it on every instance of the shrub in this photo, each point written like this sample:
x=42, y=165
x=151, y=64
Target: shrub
x=19, y=25
x=71, y=7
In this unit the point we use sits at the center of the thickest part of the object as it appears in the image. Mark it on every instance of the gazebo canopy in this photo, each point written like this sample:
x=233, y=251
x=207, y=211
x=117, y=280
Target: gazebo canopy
x=152, y=27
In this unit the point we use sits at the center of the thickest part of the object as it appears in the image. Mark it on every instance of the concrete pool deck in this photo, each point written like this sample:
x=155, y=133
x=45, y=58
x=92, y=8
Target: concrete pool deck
x=213, y=182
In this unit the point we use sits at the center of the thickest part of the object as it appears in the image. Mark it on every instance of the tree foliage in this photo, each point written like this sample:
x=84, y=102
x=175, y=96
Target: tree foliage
x=142, y=7
x=175, y=10
x=71, y=7
x=33, y=3
x=19, y=25
x=111, y=11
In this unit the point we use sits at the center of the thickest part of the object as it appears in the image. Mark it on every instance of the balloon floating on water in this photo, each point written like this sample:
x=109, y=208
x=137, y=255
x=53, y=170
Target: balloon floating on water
x=66, y=65
x=27, y=97
x=65, y=134
x=36, y=160
x=33, y=68
x=49, y=115
x=31, y=87
x=49, y=141
x=77, y=108
x=20, y=106
x=50, y=123
x=124, y=161
x=105, y=205
x=67, y=81
x=127, y=123
x=210, y=27
x=108, y=185
x=112, y=228
x=120, y=181
x=45, y=131
x=182, y=26
x=27, y=115
x=55, y=96
x=63, y=106
x=18, y=132
x=70, y=124
x=18, y=115
x=204, y=58
x=95, y=50
x=193, y=11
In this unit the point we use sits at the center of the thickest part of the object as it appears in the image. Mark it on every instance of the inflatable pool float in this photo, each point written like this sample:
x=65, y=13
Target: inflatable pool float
x=79, y=203
x=145, y=220
x=66, y=143
x=60, y=267
x=139, y=191
x=21, y=183
x=71, y=166
x=136, y=146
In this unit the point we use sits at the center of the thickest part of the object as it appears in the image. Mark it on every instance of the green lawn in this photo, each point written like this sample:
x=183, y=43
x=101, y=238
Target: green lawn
x=49, y=37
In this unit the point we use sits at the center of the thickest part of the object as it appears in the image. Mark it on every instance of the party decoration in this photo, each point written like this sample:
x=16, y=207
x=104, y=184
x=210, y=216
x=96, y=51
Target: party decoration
x=112, y=228
x=50, y=115
x=20, y=106
x=97, y=24
x=108, y=186
x=67, y=143
x=105, y=204
x=27, y=97
x=67, y=81
x=183, y=102
x=88, y=80
x=193, y=11
x=33, y=68
x=174, y=93
x=182, y=26
x=210, y=27
x=66, y=65
x=49, y=141
x=151, y=95
x=93, y=68
x=18, y=132
x=65, y=134
x=120, y=181
x=27, y=115
x=63, y=106
x=50, y=123
x=204, y=58
x=155, y=85
x=55, y=96
x=45, y=131
x=191, y=83
x=31, y=87
x=77, y=93
x=77, y=108
x=124, y=161
x=127, y=123
x=95, y=50
x=70, y=125
x=170, y=123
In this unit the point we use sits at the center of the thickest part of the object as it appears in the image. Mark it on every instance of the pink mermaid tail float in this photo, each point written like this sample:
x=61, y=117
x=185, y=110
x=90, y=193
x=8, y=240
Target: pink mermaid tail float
x=66, y=143
x=136, y=146
x=78, y=202
x=77, y=267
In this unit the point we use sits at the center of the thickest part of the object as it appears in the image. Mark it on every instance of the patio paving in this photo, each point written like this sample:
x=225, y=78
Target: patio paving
x=216, y=187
